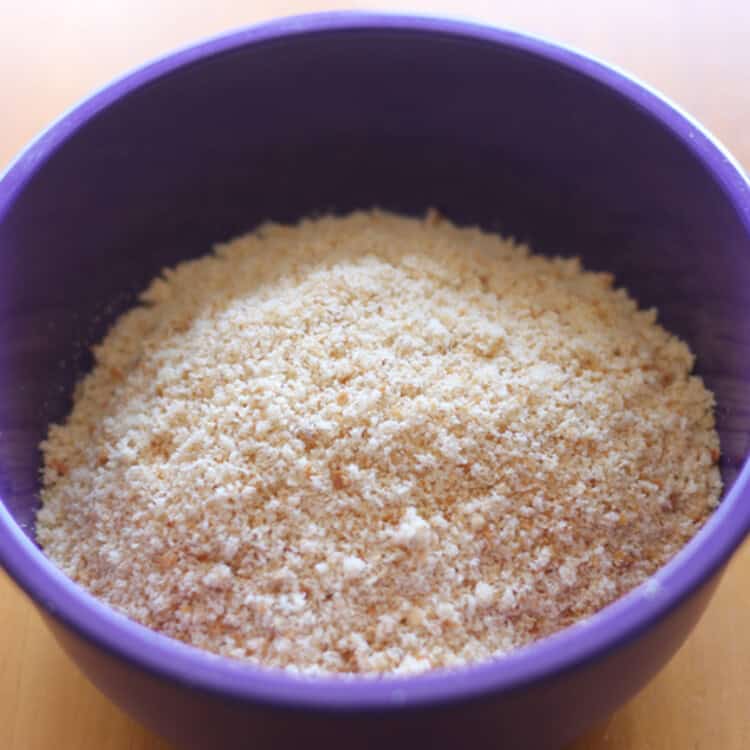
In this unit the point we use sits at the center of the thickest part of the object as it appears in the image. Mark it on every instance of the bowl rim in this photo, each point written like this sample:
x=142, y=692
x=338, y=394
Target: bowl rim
x=610, y=629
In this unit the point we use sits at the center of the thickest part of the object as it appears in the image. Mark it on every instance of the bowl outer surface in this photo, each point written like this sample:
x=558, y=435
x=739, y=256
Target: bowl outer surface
x=331, y=113
x=545, y=715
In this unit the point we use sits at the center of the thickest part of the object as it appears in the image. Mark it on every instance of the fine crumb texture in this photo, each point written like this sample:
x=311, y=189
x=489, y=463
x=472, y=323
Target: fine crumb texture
x=377, y=444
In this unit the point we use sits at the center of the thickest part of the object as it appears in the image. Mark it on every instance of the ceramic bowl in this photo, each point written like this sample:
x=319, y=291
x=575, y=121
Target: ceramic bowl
x=330, y=113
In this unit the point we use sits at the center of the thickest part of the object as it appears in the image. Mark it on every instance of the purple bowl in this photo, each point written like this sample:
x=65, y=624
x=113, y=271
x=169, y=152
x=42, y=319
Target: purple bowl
x=328, y=113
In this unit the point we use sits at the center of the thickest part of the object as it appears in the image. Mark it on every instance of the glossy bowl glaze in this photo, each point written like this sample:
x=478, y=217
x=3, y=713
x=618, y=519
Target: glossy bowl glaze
x=330, y=113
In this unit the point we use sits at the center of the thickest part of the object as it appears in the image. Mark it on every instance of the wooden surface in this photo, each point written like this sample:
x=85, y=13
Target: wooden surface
x=696, y=51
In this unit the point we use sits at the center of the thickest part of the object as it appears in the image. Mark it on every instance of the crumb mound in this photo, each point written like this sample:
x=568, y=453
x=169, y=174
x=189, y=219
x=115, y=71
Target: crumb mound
x=377, y=444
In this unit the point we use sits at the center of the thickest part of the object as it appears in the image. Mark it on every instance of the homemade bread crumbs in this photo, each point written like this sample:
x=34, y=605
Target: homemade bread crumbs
x=377, y=444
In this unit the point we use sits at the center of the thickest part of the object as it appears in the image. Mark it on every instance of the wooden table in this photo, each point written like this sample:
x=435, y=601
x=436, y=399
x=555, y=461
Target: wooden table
x=697, y=51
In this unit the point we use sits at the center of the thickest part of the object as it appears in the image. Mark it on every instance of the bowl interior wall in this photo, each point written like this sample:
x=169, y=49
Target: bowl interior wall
x=337, y=120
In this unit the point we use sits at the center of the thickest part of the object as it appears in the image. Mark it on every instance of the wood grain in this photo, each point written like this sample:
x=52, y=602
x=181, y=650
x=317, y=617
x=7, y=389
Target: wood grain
x=697, y=52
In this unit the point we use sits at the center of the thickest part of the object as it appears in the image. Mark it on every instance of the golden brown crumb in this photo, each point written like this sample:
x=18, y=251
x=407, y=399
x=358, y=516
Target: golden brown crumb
x=372, y=443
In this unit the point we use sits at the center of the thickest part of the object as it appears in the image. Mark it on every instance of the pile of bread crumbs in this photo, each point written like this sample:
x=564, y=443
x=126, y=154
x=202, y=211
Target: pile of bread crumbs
x=377, y=444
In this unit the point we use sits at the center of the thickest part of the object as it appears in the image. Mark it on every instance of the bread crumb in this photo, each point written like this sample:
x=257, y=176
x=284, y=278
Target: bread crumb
x=484, y=594
x=353, y=567
x=377, y=444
